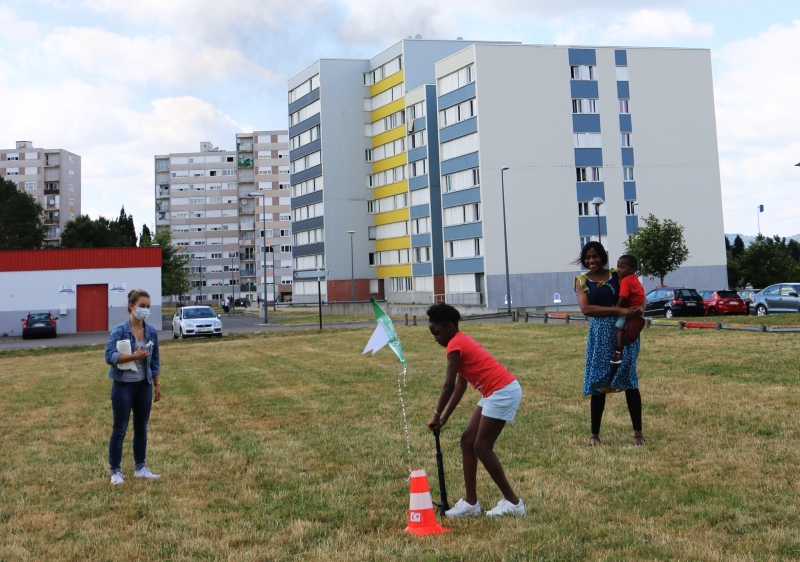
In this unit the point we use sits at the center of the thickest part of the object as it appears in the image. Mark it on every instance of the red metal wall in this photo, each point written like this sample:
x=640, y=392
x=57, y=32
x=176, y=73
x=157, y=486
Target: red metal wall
x=79, y=258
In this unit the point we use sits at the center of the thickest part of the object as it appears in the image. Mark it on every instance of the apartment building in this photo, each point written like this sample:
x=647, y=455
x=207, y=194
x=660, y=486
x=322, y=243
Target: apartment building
x=633, y=127
x=223, y=208
x=349, y=150
x=52, y=176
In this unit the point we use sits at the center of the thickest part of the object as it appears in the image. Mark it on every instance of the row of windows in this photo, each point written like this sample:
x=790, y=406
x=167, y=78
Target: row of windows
x=593, y=173
x=386, y=150
x=307, y=212
x=594, y=140
x=455, y=80
x=462, y=180
x=205, y=227
x=390, y=257
x=383, y=71
x=309, y=237
x=202, y=186
x=421, y=254
x=307, y=136
x=316, y=261
x=202, y=173
x=584, y=106
x=161, y=165
x=387, y=123
x=468, y=248
x=585, y=208
x=304, y=113
x=416, y=140
x=457, y=113
x=308, y=161
x=386, y=177
x=305, y=88
x=582, y=72
x=462, y=214
x=386, y=97
x=460, y=146
x=384, y=231
x=416, y=111
x=418, y=168
x=308, y=186
x=386, y=204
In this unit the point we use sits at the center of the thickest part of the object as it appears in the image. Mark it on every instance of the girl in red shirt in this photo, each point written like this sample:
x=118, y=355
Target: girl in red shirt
x=467, y=361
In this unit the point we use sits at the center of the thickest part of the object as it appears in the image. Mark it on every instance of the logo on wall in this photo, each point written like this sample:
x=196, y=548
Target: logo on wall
x=118, y=288
x=66, y=289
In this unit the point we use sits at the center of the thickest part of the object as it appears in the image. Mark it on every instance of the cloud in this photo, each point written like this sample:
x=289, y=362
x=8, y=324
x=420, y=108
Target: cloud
x=656, y=25
x=16, y=31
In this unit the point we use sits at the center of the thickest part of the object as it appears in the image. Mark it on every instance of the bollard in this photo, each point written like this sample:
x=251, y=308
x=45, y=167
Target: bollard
x=718, y=326
x=566, y=319
x=762, y=328
x=414, y=319
x=647, y=322
x=527, y=315
x=406, y=319
x=545, y=318
x=680, y=324
x=516, y=316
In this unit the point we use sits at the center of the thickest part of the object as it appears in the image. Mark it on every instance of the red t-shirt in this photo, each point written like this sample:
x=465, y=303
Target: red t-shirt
x=631, y=289
x=477, y=366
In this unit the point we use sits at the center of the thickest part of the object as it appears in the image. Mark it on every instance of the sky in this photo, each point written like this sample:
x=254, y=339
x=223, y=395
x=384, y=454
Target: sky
x=120, y=81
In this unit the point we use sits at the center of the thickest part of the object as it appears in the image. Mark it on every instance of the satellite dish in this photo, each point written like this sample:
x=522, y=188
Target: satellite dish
x=418, y=36
x=459, y=38
x=410, y=37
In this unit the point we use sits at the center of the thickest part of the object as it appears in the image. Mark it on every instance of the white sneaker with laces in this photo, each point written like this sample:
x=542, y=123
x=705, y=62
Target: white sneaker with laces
x=144, y=472
x=117, y=478
x=505, y=507
x=463, y=509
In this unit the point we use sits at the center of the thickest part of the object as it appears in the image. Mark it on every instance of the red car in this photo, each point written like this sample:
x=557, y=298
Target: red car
x=723, y=302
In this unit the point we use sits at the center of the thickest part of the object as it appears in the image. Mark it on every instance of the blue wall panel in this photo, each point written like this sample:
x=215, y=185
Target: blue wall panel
x=625, y=123
x=586, y=123
x=419, y=182
x=457, y=96
x=588, y=156
x=418, y=240
x=583, y=89
x=463, y=231
x=418, y=269
x=307, y=174
x=458, y=164
x=417, y=153
x=312, y=96
x=631, y=224
x=587, y=226
x=629, y=188
x=308, y=224
x=308, y=249
x=305, y=150
x=307, y=199
x=621, y=58
x=627, y=157
x=418, y=124
x=623, y=90
x=589, y=190
x=464, y=197
x=464, y=265
x=458, y=130
x=419, y=211
x=312, y=121
x=582, y=56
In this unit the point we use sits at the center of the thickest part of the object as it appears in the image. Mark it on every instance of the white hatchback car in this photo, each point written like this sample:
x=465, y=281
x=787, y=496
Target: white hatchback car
x=195, y=321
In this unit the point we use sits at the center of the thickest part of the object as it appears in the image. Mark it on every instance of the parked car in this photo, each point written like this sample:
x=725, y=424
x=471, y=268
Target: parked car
x=674, y=301
x=196, y=321
x=747, y=295
x=242, y=302
x=723, y=302
x=783, y=297
x=39, y=324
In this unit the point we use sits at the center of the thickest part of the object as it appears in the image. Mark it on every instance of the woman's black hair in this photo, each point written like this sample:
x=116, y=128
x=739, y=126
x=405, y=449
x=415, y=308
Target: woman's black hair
x=443, y=314
x=596, y=246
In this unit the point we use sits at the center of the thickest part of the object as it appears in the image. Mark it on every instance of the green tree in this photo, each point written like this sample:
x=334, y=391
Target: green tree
x=20, y=219
x=659, y=247
x=83, y=232
x=174, y=278
x=146, y=239
x=767, y=261
x=123, y=230
x=738, y=247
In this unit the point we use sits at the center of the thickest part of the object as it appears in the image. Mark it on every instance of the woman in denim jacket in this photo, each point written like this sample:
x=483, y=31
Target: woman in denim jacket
x=133, y=390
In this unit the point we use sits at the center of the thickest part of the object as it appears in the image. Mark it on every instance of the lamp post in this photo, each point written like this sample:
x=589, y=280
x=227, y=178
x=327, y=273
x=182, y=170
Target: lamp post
x=264, y=251
x=274, y=298
x=597, y=201
x=352, y=268
x=759, y=210
x=505, y=234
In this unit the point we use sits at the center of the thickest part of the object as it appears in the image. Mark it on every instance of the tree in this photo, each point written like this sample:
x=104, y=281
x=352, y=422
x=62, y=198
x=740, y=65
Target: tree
x=20, y=219
x=659, y=247
x=727, y=244
x=83, y=232
x=738, y=247
x=174, y=278
x=767, y=261
x=123, y=230
x=146, y=239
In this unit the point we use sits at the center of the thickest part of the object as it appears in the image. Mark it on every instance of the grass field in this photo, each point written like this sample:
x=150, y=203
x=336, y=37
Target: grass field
x=289, y=446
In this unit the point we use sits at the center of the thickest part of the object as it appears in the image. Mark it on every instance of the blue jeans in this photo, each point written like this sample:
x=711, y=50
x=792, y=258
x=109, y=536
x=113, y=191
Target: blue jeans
x=127, y=396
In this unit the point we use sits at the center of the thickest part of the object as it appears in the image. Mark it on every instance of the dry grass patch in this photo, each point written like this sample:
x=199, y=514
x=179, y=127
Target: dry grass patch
x=289, y=446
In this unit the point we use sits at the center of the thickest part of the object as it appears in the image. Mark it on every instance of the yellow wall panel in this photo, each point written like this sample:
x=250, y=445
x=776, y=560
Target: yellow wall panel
x=390, y=135
x=392, y=216
x=386, y=83
x=400, y=243
x=389, y=163
x=386, y=271
x=391, y=189
x=388, y=109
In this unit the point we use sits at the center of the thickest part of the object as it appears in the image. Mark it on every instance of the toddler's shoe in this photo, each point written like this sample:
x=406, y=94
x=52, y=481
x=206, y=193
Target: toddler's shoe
x=463, y=509
x=505, y=507
x=616, y=358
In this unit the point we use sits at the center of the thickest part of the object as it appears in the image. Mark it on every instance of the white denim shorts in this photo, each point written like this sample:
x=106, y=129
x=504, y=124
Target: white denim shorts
x=503, y=403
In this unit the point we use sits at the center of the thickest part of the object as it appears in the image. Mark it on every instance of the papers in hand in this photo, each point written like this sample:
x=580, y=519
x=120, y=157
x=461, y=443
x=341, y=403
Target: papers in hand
x=124, y=347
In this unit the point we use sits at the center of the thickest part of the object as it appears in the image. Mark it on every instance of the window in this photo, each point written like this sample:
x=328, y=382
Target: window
x=71, y=159
x=308, y=237
x=462, y=180
x=308, y=186
x=230, y=172
x=286, y=249
x=389, y=257
x=417, y=168
x=400, y=284
x=421, y=225
x=457, y=113
x=12, y=156
x=389, y=149
x=286, y=231
x=460, y=146
x=385, y=124
x=303, y=138
x=622, y=73
x=627, y=173
x=416, y=140
x=582, y=72
x=12, y=171
x=368, y=155
x=305, y=88
x=387, y=97
x=584, y=106
x=583, y=208
x=631, y=207
x=214, y=186
x=383, y=71
x=306, y=212
x=626, y=139
x=391, y=230
x=462, y=283
x=469, y=248
x=304, y=113
x=162, y=165
x=386, y=204
x=455, y=80
x=216, y=256
x=285, y=217
x=420, y=197
x=623, y=106
x=71, y=172
x=71, y=202
x=265, y=233
x=316, y=261
x=589, y=174
x=416, y=111
x=587, y=140
x=313, y=159
x=374, y=286
x=462, y=214
x=586, y=239
x=386, y=177
x=34, y=185
x=197, y=200
x=231, y=185
x=422, y=255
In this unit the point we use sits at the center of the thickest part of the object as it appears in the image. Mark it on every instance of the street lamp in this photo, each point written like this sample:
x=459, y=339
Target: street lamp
x=352, y=268
x=505, y=234
x=759, y=210
x=597, y=201
x=264, y=251
x=274, y=298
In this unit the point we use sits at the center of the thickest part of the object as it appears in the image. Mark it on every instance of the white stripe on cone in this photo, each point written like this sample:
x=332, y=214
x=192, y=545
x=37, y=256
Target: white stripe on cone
x=420, y=501
x=418, y=473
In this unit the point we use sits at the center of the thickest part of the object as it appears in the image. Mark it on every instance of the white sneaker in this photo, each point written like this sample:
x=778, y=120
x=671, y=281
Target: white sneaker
x=463, y=509
x=144, y=472
x=117, y=478
x=505, y=507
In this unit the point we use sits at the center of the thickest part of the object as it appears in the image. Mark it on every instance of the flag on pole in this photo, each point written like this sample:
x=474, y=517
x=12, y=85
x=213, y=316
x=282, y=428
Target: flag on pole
x=761, y=208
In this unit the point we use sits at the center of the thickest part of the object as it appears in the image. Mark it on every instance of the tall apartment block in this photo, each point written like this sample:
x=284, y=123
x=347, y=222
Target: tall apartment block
x=221, y=207
x=396, y=161
x=52, y=176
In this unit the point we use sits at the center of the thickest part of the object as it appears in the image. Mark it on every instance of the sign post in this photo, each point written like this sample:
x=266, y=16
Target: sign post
x=319, y=275
x=556, y=300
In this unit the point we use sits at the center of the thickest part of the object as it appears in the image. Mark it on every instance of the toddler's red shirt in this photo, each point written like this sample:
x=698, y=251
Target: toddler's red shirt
x=631, y=289
x=481, y=369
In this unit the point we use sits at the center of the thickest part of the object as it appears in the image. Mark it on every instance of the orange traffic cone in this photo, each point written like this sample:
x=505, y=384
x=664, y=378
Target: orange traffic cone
x=421, y=517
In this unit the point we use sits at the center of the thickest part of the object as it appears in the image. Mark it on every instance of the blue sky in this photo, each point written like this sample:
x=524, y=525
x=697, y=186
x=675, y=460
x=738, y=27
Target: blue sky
x=119, y=81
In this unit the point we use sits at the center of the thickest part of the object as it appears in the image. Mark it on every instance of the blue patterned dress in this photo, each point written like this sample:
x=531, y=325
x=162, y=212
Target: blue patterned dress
x=603, y=339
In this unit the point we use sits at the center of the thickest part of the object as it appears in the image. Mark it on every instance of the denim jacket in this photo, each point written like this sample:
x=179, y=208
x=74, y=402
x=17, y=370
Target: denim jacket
x=123, y=331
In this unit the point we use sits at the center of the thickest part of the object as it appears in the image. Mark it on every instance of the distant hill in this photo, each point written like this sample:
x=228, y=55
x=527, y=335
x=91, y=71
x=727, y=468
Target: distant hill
x=749, y=239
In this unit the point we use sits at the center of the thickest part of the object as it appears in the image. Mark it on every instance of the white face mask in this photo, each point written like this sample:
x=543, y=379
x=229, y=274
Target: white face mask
x=142, y=313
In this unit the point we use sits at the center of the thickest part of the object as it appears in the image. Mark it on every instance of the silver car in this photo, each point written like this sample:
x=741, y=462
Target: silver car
x=195, y=321
x=783, y=297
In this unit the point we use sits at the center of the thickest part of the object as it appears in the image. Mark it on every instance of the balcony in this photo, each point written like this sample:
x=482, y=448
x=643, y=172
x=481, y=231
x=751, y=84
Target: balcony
x=247, y=288
x=162, y=206
x=162, y=218
x=247, y=226
x=243, y=242
x=51, y=175
x=246, y=147
x=163, y=190
x=51, y=218
x=52, y=160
